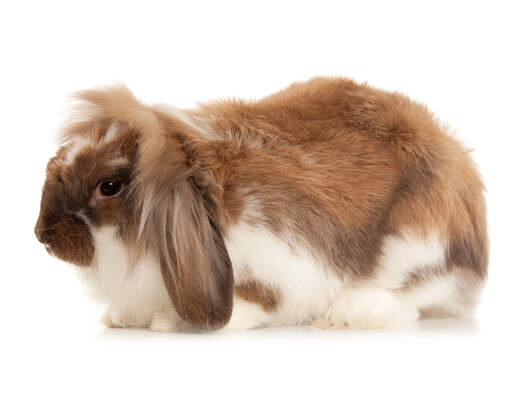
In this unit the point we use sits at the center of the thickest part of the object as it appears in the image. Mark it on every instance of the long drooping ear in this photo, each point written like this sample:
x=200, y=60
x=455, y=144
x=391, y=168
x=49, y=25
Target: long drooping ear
x=195, y=264
x=180, y=221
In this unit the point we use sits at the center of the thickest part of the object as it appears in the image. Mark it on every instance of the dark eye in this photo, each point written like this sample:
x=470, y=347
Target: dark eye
x=108, y=189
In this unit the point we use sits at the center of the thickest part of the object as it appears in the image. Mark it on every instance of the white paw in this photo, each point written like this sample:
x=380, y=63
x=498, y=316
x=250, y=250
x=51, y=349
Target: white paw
x=367, y=308
x=106, y=320
x=166, y=322
x=124, y=319
x=246, y=315
x=116, y=320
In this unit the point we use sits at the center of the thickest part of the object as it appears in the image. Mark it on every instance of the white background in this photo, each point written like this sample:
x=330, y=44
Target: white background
x=453, y=57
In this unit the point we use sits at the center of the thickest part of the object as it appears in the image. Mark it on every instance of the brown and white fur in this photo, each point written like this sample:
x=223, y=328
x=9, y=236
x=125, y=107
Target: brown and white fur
x=328, y=203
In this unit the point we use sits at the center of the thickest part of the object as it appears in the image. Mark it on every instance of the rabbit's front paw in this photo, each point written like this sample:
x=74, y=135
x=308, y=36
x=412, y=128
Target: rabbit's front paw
x=166, y=321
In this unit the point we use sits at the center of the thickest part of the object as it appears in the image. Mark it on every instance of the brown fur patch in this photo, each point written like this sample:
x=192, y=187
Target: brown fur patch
x=422, y=275
x=254, y=291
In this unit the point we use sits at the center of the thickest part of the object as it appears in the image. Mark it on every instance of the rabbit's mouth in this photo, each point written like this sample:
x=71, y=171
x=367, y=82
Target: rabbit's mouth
x=48, y=249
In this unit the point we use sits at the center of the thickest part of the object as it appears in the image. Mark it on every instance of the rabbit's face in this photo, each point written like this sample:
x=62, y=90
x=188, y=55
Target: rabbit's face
x=86, y=188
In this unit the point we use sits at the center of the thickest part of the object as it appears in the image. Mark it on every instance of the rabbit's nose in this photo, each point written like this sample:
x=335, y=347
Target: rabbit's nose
x=46, y=240
x=43, y=236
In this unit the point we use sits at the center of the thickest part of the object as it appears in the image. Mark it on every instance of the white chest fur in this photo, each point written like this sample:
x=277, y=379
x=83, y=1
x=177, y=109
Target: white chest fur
x=132, y=294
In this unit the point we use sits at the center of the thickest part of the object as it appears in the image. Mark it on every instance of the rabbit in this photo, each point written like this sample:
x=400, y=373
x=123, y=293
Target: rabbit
x=329, y=203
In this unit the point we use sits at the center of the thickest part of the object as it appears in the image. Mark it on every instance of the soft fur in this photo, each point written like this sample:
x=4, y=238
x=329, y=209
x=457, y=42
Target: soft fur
x=330, y=203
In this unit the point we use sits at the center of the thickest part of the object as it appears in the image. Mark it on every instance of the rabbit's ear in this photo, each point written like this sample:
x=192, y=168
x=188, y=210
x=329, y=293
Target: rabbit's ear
x=195, y=264
x=180, y=221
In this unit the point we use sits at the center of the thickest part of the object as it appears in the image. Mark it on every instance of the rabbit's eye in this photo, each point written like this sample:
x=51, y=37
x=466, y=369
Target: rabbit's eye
x=108, y=189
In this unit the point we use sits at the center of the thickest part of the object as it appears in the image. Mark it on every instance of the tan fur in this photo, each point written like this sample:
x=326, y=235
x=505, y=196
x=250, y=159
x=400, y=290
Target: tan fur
x=336, y=164
x=257, y=292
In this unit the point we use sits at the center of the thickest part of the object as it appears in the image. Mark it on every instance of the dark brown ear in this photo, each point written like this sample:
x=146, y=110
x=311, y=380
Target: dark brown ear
x=195, y=264
x=180, y=221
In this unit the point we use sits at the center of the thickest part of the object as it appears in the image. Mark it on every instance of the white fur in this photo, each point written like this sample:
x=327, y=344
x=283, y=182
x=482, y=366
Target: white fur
x=367, y=308
x=75, y=146
x=454, y=293
x=306, y=287
x=112, y=132
x=247, y=315
x=436, y=291
x=79, y=143
x=404, y=254
x=166, y=321
x=120, y=161
x=133, y=295
x=200, y=126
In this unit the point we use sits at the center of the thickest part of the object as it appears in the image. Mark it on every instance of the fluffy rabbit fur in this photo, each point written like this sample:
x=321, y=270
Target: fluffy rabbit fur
x=328, y=203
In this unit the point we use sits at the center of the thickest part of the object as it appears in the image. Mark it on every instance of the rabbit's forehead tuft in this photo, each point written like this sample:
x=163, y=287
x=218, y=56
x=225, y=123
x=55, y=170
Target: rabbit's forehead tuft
x=74, y=147
x=98, y=137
